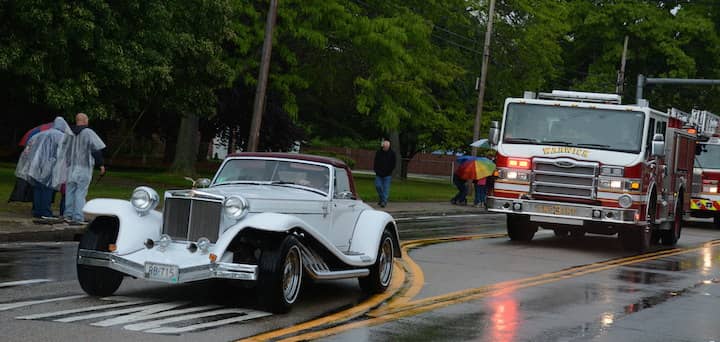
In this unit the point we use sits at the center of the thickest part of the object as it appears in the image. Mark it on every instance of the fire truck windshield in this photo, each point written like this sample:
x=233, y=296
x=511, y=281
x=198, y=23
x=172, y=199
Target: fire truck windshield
x=709, y=158
x=603, y=129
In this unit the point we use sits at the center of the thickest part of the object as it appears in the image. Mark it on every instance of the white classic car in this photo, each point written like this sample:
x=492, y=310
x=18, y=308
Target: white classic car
x=266, y=219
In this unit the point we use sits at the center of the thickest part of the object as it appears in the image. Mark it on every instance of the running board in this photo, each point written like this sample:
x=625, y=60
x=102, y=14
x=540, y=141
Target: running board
x=318, y=269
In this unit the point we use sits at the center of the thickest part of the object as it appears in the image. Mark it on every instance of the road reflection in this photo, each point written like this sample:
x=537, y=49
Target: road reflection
x=504, y=319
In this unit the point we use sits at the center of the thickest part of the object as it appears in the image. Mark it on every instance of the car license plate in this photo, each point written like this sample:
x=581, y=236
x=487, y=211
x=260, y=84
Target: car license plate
x=556, y=210
x=161, y=272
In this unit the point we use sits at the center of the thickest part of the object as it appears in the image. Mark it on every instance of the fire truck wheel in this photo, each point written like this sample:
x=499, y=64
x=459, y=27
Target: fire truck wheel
x=671, y=237
x=636, y=238
x=519, y=228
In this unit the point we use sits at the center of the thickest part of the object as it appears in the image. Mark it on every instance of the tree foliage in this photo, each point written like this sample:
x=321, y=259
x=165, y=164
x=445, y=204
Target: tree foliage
x=358, y=69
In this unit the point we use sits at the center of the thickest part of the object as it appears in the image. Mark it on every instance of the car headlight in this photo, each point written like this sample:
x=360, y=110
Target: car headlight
x=144, y=199
x=235, y=207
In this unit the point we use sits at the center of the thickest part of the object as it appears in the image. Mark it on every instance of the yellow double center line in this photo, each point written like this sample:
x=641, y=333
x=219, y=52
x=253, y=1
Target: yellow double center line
x=400, y=290
x=400, y=305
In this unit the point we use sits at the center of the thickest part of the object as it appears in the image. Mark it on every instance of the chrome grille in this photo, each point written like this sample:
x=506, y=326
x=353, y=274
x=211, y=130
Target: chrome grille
x=564, y=177
x=190, y=219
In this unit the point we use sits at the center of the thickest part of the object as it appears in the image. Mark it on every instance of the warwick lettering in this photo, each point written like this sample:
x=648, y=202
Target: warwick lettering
x=571, y=150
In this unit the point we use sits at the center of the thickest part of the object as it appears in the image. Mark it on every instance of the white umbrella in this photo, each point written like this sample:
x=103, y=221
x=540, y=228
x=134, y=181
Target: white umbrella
x=482, y=143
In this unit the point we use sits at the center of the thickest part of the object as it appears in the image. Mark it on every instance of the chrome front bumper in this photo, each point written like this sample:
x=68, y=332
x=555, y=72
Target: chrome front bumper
x=562, y=213
x=214, y=270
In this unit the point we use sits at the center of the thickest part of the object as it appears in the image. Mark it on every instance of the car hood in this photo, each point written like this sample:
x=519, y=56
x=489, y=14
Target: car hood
x=258, y=192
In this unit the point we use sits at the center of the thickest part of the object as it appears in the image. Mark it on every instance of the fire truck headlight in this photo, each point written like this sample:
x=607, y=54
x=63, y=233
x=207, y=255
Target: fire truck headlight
x=612, y=171
x=512, y=175
x=710, y=188
x=625, y=201
x=616, y=184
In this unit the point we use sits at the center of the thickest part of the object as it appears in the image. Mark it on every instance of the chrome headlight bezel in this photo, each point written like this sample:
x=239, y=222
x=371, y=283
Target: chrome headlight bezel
x=144, y=199
x=625, y=201
x=236, y=207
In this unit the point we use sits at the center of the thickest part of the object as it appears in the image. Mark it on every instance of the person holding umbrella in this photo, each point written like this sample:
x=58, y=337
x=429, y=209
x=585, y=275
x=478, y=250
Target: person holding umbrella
x=472, y=168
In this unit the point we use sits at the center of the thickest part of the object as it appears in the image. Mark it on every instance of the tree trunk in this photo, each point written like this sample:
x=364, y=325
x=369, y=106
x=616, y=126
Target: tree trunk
x=395, y=144
x=186, y=150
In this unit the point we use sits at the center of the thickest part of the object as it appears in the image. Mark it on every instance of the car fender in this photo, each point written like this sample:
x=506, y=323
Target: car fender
x=134, y=229
x=368, y=232
x=280, y=223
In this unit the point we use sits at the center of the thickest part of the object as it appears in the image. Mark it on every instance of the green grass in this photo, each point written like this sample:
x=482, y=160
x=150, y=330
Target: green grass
x=119, y=184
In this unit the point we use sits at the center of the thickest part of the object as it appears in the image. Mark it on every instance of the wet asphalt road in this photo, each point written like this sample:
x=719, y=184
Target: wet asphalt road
x=667, y=298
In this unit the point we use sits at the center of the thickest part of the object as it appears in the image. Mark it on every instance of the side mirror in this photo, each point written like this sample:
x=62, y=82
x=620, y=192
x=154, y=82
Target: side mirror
x=344, y=195
x=698, y=149
x=494, y=134
x=658, y=146
x=201, y=183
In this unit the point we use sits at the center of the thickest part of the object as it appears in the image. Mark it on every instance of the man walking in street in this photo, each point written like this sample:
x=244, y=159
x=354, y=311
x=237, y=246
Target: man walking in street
x=84, y=153
x=383, y=166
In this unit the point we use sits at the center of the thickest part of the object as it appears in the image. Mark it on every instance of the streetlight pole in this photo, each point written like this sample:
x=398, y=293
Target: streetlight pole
x=483, y=75
x=259, y=104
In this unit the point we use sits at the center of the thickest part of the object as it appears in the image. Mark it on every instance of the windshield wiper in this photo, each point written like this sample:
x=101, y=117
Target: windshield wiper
x=556, y=142
x=299, y=186
x=520, y=140
x=594, y=145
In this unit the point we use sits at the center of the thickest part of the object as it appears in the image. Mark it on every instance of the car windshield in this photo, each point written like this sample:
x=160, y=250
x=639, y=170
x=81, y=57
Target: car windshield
x=275, y=172
x=709, y=158
x=603, y=129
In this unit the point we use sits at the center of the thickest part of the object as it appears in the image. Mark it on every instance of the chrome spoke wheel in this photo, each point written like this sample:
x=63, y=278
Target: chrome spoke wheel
x=386, y=262
x=292, y=275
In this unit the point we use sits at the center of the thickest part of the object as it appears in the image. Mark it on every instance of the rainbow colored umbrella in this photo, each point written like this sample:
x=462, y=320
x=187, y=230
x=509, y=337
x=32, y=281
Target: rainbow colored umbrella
x=33, y=131
x=476, y=168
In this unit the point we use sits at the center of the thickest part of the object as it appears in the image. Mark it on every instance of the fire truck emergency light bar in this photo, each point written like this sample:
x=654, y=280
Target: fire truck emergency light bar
x=581, y=97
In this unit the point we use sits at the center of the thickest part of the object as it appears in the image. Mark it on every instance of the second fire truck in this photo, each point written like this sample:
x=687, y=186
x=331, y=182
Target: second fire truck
x=705, y=200
x=578, y=163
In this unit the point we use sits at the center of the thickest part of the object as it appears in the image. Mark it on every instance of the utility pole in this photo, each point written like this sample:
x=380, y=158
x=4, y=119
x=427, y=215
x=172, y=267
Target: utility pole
x=259, y=104
x=621, y=74
x=483, y=75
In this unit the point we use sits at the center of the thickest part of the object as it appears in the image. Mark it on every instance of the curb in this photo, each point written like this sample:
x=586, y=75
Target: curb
x=51, y=235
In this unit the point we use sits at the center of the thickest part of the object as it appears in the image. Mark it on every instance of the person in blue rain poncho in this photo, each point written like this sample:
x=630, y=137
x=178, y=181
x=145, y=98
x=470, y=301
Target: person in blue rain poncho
x=42, y=165
x=84, y=153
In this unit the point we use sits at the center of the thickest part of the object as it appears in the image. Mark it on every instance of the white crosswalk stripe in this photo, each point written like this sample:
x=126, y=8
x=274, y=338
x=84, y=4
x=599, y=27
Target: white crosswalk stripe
x=159, y=323
x=142, y=314
x=23, y=282
x=10, y=306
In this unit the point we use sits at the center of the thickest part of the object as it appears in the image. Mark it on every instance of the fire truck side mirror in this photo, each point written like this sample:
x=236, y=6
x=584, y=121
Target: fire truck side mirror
x=698, y=149
x=494, y=135
x=658, y=146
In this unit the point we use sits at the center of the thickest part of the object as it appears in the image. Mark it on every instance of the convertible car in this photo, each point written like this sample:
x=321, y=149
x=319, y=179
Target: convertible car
x=265, y=219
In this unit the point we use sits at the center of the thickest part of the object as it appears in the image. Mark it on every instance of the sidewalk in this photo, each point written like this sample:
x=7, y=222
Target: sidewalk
x=16, y=228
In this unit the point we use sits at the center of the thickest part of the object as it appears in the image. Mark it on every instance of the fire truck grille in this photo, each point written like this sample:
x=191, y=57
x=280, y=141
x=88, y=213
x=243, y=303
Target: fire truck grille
x=565, y=179
x=190, y=219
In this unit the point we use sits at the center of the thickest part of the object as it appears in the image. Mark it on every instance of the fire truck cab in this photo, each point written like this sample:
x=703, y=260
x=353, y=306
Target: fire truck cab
x=705, y=201
x=577, y=163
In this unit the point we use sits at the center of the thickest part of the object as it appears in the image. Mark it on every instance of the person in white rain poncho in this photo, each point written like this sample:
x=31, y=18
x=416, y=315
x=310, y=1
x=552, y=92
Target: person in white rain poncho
x=84, y=153
x=42, y=165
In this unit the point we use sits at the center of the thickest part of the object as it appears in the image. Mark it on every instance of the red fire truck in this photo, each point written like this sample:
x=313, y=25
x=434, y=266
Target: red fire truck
x=705, y=201
x=577, y=163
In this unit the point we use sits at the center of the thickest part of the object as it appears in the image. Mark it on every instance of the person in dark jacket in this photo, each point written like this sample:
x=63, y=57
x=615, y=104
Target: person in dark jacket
x=383, y=166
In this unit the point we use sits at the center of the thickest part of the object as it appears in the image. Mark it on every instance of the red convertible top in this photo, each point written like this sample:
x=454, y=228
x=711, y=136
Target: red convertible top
x=307, y=157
